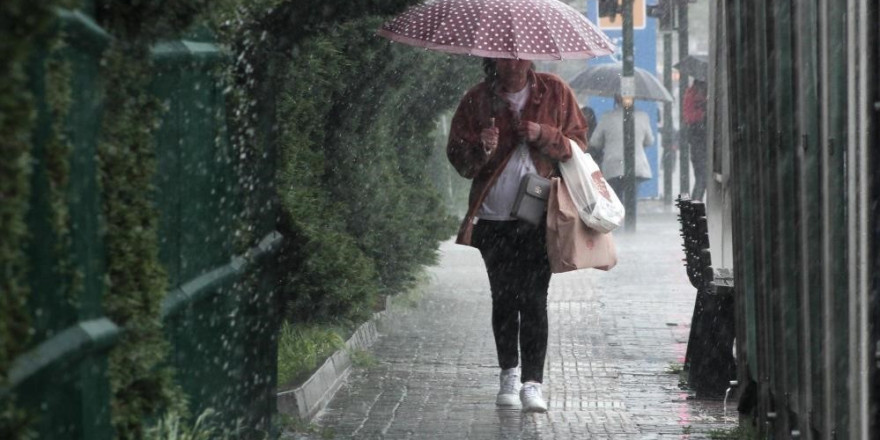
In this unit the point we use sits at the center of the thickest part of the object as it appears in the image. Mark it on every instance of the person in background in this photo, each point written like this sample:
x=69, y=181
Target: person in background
x=694, y=116
x=608, y=138
x=515, y=122
x=590, y=117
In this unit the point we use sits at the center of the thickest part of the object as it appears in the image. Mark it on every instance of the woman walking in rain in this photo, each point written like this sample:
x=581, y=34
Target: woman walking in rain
x=513, y=123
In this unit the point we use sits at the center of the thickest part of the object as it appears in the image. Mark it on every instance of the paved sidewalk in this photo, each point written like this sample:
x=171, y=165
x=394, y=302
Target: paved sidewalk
x=613, y=338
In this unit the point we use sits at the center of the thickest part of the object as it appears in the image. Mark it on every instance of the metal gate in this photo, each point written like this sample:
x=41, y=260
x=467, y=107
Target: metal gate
x=793, y=155
x=218, y=314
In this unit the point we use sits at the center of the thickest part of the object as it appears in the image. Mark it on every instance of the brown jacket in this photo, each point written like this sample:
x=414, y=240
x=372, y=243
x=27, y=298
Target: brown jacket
x=551, y=104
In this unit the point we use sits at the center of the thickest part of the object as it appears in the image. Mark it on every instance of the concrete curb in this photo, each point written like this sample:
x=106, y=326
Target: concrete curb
x=307, y=400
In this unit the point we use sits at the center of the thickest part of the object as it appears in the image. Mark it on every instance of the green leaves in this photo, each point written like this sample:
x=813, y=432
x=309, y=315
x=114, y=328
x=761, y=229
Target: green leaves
x=357, y=115
x=21, y=22
x=140, y=382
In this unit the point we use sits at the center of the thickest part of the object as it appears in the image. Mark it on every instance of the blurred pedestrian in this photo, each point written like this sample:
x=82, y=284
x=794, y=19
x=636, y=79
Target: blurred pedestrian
x=695, y=118
x=590, y=118
x=515, y=122
x=608, y=138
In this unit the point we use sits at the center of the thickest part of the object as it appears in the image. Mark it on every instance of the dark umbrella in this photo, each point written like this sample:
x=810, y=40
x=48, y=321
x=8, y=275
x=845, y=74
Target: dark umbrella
x=519, y=29
x=604, y=80
x=696, y=66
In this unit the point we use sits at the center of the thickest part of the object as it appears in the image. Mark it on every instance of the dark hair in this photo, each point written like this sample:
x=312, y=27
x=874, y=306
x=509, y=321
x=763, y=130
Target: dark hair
x=490, y=69
x=590, y=117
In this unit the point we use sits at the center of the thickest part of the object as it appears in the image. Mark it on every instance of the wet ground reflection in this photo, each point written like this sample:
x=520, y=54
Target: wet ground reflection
x=615, y=338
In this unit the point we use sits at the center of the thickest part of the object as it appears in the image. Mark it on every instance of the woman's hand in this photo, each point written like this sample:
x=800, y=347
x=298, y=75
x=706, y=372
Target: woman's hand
x=529, y=130
x=489, y=139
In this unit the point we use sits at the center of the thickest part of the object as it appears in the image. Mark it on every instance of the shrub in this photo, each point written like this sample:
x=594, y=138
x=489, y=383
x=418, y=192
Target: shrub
x=354, y=180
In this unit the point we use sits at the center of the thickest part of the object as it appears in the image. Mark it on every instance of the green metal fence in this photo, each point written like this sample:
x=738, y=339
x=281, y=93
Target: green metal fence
x=219, y=314
x=800, y=144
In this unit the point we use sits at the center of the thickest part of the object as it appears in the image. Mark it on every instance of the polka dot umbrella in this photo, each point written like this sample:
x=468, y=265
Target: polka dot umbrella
x=523, y=29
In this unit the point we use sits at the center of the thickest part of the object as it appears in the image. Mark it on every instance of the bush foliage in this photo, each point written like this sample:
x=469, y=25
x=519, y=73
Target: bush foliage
x=24, y=29
x=356, y=116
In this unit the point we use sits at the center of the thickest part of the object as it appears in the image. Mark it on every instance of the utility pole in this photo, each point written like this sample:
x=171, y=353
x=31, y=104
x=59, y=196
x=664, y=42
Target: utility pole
x=668, y=126
x=683, y=148
x=627, y=90
x=664, y=12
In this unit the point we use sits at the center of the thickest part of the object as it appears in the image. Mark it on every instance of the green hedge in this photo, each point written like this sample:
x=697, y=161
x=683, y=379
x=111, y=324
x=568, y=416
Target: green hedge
x=24, y=33
x=356, y=116
x=137, y=283
x=141, y=384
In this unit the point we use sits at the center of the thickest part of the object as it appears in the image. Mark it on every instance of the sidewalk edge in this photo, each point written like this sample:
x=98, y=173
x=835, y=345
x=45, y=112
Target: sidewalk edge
x=307, y=400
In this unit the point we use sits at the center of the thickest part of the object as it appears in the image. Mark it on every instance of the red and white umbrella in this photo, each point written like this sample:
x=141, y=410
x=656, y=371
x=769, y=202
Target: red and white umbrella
x=519, y=29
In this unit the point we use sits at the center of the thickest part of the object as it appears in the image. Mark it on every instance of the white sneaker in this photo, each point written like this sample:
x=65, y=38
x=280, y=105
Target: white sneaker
x=531, y=398
x=507, y=394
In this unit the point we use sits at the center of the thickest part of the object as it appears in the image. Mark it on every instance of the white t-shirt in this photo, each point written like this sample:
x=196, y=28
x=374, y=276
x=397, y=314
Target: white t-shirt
x=502, y=195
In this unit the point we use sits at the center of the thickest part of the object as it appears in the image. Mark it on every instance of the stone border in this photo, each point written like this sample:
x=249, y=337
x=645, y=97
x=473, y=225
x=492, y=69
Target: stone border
x=307, y=400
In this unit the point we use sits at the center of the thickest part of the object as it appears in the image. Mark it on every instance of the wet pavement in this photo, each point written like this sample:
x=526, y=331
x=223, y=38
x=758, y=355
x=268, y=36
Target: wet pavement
x=615, y=340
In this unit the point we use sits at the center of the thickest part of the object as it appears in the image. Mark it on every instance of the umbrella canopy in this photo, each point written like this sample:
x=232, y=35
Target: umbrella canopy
x=696, y=66
x=518, y=29
x=604, y=80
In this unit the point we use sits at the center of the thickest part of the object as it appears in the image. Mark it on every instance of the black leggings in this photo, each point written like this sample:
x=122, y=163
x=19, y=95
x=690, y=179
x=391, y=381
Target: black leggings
x=515, y=254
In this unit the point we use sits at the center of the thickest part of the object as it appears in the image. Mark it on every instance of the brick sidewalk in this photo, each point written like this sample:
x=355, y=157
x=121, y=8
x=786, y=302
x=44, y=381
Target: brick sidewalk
x=613, y=338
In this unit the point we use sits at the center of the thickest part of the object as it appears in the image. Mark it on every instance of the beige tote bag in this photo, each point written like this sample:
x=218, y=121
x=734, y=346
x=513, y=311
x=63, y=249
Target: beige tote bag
x=571, y=245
